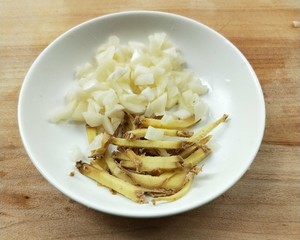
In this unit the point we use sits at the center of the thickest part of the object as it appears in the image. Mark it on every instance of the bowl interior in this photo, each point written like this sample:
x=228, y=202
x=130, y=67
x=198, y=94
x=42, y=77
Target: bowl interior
x=234, y=89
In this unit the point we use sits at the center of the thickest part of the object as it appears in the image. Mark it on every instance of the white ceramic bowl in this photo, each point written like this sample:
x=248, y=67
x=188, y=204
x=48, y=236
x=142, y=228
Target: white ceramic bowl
x=234, y=89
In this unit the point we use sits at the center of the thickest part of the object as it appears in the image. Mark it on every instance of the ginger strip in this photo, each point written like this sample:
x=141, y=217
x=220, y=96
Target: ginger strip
x=135, y=158
x=141, y=132
x=207, y=129
x=150, y=144
x=91, y=133
x=130, y=191
x=178, y=194
x=196, y=157
x=187, y=152
x=149, y=181
x=152, y=164
x=99, y=164
x=115, y=169
x=173, y=124
x=155, y=159
x=161, y=169
x=120, y=155
x=176, y=182
x=151, y=167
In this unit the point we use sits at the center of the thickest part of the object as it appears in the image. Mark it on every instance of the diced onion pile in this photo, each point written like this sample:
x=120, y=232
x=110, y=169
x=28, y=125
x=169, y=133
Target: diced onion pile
x=142, y=79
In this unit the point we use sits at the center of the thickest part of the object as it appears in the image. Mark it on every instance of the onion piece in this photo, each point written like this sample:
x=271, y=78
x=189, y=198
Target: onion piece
x=141, y=78
x=158, y=106
x=93, y=119
x=154, y=134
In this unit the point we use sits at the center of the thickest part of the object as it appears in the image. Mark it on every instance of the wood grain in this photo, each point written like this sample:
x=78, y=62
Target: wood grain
x=264, y=204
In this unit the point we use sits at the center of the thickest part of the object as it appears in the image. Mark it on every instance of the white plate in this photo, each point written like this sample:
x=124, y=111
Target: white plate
x=234, y=89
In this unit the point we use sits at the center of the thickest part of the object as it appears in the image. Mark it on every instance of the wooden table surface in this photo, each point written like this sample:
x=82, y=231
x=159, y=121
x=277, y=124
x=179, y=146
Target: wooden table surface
x=264, y=204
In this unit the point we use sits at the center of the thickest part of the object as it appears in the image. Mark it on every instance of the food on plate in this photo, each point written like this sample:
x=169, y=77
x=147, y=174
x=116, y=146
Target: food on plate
x=146, y=79
x=137, y=168
x=139, y=104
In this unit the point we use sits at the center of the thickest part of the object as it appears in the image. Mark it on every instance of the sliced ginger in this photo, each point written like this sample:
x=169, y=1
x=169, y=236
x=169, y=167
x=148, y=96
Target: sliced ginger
x=162, y=169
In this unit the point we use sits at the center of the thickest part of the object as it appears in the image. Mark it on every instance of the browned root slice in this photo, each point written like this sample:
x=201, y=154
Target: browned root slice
x=120, y=155
x=161, y=169
x=141, y=132
x=116, y=170
x=196, y=170
x=207, y=129
x=130, y=191
x=158, y=123
x=187, y=152
x=150, y=144
x=196, y=157
x=149, y=181
x=151, y=167
x=151, y=164
x=176, y=181
x=135, y=160
x=182, y=192
x=99, y=164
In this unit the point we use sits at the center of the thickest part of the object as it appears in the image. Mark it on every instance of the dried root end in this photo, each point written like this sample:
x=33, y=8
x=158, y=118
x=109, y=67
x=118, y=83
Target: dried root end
x=181, y=133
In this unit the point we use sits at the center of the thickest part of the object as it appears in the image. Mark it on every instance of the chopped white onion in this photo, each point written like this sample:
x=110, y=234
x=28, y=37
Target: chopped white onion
x=141, y=78
x=200, y=110
x=77, y=113
x=182, y=113
x=154, y=134
x=158, y=106
x=64, y=113
x=106, y=54
x=134, y=103
x=108, y=127
x=149, y=93
x=144, y=79
x=114, y=111
x=167, y=118
x=92, y=119
x=75, y=93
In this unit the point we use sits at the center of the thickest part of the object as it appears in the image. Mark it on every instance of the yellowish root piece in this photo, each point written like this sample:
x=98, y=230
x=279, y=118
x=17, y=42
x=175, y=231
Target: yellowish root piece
x=151, y=167
x=196, y=157
x=176, y=181
x=149, y=181
x=187, y=152
x=150, y=144
x=120, y=155
x=172, y=124
x=115, y=169
x=91, y=133
x=183, y=191
x=99, y=164
x=152, y=159
x=151, y=164
x=161, y=169
x=130, y=191
x=208, y=128
x=141, y=132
